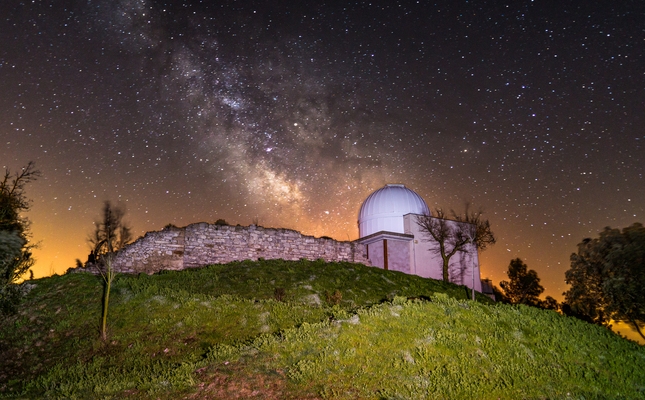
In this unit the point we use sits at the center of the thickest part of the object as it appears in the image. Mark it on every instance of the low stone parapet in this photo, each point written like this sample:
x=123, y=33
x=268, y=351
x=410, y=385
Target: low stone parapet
x=202, y=244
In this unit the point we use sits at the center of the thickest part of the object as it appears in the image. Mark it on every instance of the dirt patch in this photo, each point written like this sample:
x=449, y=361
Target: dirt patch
x=236, y=383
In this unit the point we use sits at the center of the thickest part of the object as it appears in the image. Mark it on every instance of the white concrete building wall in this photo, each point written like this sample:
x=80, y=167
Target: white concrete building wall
x=398, y=252
x=375, y=254
x=389, y=251
x=426, y=260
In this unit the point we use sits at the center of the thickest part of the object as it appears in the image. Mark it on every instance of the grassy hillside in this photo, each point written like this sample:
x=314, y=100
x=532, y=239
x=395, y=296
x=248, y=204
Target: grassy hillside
x=341, y=331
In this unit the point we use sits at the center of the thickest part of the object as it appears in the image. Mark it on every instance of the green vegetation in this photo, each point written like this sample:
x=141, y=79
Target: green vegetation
x=523, y=287
x=15, y=249
x=607, y=277
x=340, y=331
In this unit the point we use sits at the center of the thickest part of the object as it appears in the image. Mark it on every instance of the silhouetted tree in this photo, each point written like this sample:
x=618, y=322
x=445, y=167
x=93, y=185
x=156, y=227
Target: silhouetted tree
x=549, y=303
x=566, y=309
x=607, y=278
x=499, y=295
x=15, y=249
x=454, y=235
x=111, y=233
x=523, y=286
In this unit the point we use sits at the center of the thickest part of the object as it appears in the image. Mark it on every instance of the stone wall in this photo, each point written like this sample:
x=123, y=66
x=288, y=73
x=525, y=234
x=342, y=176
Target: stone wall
x=201, y=244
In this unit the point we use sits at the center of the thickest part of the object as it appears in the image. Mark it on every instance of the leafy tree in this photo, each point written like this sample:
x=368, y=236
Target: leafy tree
x=607, y=278
x=567, y=310
x=110, y=234
x=499, y=295
x=454, y=235
x=523, y=286
x=15, y=250
x=549, y=303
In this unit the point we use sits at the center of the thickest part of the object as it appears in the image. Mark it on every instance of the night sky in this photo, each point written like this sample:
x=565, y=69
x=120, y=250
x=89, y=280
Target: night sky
x=292, y=114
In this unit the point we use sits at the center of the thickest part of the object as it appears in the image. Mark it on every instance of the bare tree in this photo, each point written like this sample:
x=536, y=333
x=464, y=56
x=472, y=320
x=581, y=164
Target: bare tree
x=479, y=229
x=453, y=236
x=110, y=234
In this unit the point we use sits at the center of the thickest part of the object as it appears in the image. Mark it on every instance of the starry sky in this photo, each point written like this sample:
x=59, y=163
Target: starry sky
x=291, y=113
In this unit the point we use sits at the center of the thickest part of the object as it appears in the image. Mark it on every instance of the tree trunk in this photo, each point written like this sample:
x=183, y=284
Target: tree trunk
x=635, y=324
x=446, y=274
x=106, y=301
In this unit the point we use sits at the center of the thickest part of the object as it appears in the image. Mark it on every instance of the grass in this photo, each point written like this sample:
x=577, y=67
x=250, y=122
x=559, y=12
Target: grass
x=343, y=331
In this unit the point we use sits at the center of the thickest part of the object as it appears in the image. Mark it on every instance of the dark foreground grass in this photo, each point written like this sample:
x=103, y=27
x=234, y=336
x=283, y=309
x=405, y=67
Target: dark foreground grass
x=218, y=332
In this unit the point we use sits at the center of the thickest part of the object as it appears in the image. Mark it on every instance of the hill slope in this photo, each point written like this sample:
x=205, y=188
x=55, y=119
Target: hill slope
x=343, y=331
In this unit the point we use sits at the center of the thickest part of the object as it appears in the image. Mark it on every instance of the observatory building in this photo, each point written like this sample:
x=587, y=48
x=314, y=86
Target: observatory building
x=387, y=225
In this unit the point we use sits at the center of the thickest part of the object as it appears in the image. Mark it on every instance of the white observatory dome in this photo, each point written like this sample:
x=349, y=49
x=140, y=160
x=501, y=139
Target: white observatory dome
x=384, y=209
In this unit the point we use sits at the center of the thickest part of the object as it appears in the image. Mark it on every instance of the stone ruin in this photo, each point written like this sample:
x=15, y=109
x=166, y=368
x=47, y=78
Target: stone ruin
x=202, y=244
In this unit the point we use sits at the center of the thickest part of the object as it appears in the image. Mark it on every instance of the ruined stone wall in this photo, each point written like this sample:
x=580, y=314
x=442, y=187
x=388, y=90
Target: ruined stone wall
x=154, y=252
x=202, y=244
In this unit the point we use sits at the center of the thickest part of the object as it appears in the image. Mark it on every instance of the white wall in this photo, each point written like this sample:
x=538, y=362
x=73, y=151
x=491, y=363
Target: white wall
x=398, y=251
x=426, y=261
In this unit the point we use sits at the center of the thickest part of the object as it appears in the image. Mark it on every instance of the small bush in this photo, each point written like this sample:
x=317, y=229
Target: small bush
x=10, y=297
x=333, y=299
x=279, y=294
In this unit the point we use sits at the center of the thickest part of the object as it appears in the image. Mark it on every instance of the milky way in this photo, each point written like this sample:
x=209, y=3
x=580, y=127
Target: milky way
x=290, y=115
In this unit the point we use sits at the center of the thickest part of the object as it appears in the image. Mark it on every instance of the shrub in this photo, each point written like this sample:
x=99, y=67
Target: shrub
x=279, y=294
x=335, y=298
